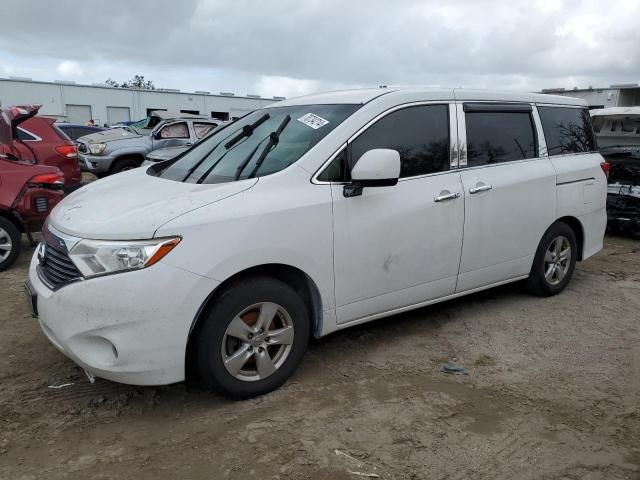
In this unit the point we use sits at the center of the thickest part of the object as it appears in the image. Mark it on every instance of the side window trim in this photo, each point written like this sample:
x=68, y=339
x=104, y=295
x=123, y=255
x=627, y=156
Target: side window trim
x=326, y=164
x=462, y=135
x=453, y=138
x=542, y=141
x=492, y=106
x=34, y=137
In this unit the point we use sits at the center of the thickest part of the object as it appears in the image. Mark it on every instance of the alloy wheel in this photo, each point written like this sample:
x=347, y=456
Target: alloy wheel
x=257, y=341
x=557, y=260
x=5, y=244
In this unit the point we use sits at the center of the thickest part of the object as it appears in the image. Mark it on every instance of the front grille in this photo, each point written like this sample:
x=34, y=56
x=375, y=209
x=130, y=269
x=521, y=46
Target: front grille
x=41, y=204
x=82, y=147
x=56, y=267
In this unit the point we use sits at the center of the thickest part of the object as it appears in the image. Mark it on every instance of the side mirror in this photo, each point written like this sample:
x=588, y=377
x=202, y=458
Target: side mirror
x=379, y=167
x=158, y=135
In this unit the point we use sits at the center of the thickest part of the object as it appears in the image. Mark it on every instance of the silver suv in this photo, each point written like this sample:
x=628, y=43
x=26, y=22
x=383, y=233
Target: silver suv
x=120, y=149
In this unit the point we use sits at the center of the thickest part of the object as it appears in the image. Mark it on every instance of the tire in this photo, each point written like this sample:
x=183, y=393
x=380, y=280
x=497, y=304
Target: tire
x=123, y=164
x=237, y=366
x=545, y=279
x=10, y=243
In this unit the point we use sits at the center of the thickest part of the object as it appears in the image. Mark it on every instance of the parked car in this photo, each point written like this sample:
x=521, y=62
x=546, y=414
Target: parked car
x=28, y=191
x=38, y=139
x=168, y=153
x=162, y=154
x=117, y=150
x=618, y=135
x=28, y=194
x=75, y=131
x=623, y=198
x=311, y=216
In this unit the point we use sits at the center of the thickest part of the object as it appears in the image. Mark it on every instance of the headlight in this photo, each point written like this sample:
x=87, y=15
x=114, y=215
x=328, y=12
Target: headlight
x=101, y=257
x=97, y=148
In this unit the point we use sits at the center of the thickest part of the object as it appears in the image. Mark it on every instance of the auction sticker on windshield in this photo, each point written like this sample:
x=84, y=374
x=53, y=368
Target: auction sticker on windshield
x=313, y=121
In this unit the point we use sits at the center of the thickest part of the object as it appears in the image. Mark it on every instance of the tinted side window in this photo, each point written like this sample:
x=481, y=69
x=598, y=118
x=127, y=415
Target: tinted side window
x=23, y=135
x=494, y=137
x=567, y=130
x=336, y=171
x=420, y=134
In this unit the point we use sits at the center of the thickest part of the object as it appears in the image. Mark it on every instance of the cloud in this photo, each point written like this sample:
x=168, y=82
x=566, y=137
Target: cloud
x=69, y=68
x=290, y=47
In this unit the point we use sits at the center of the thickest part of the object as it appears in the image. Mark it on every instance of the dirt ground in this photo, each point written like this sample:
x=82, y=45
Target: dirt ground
x=553, y=391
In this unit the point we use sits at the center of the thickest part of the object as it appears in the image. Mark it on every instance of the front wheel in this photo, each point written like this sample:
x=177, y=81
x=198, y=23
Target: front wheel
x=253, y=338
x=554, y=262
x=10, y=243
x=124, y=164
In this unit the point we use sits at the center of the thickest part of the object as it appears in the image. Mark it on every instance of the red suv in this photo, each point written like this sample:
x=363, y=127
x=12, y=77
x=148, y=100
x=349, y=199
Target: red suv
x=40, y=139
x=28, y=192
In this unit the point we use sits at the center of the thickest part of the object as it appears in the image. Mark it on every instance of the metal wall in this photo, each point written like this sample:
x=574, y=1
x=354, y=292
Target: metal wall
x=56, y=97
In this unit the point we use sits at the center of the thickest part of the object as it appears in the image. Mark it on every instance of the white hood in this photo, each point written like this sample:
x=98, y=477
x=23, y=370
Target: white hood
x=132, y=205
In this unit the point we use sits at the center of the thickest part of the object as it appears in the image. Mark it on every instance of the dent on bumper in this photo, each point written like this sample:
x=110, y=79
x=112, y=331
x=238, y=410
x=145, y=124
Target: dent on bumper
x=131, y=327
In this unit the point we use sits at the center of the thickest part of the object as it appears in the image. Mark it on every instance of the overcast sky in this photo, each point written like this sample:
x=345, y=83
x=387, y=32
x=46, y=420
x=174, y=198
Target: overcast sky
x=292, y=47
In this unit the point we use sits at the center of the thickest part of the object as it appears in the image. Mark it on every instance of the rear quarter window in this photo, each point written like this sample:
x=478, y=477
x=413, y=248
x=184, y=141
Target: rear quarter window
x=567, y=130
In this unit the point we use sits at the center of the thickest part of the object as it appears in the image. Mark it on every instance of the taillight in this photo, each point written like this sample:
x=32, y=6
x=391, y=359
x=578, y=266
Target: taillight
x=605, y=168
x=56, y=178
x=68, y=151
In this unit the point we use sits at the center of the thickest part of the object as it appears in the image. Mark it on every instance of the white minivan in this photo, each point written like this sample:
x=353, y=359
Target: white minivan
x=313, y=215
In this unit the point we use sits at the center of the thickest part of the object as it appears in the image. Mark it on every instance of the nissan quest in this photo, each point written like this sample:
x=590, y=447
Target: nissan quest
x=312, y=215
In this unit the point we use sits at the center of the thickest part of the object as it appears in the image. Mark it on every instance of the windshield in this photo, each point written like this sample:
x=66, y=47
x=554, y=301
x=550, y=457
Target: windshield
x=260, y=143
x=144, y=126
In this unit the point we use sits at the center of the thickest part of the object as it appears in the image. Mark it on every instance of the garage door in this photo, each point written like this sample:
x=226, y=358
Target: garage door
x=117, y=115
x=78, y=113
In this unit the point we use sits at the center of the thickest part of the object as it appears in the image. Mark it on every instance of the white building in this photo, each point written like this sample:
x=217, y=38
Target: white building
x=77, y=103
x=622, y=95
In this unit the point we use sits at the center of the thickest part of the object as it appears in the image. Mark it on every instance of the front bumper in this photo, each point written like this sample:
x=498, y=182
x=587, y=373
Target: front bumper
x=130, y=327
x=95, y=163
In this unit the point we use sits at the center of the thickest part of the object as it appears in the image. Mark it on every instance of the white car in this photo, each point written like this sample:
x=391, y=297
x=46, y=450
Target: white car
x=311, y=216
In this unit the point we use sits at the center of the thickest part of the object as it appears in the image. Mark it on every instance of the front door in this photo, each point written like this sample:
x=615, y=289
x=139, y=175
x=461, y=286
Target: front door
x=399, y=246
x=509, y=194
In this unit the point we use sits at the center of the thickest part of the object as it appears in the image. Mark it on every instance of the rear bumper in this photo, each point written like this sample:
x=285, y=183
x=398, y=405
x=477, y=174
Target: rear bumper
x=35, y=204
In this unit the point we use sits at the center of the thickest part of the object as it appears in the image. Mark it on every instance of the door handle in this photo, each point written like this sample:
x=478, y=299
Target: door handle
x=480, y=188
x=446, y=196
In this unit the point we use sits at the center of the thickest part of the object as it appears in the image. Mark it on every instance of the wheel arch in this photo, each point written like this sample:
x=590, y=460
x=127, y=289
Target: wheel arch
x=126, y=156
x=292, y=276
x=578, y=229
x=12, y=218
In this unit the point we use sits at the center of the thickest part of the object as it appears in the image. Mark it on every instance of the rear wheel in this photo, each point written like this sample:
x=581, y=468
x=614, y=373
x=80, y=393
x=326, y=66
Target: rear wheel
x=124, y=164
x=10, y=243
x=253, y=338
x=554, y=262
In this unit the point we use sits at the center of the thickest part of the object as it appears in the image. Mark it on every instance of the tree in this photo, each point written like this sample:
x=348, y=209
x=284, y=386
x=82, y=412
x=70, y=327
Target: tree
x=137, y=81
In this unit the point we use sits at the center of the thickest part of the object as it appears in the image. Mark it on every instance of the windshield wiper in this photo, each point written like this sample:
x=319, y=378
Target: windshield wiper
x=247, y=131
x=273, y=140
x=204, y=157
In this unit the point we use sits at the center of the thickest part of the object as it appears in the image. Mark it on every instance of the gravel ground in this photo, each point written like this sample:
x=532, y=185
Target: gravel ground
x=553, y=391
